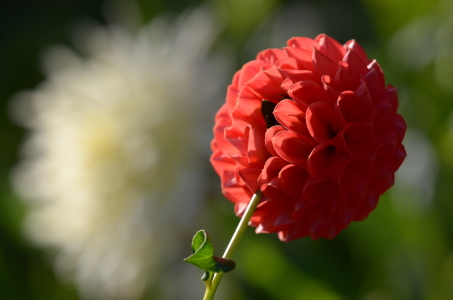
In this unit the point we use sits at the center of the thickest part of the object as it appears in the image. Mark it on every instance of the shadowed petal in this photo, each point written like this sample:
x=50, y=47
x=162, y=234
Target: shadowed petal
x=323, y=64
x=305, y=93
x=326, y=163
x=291, y=117
x=320, y=119
x=356, y=65
x=353, y=108
x=292, y=147
x=271, y=170
x=270, y=133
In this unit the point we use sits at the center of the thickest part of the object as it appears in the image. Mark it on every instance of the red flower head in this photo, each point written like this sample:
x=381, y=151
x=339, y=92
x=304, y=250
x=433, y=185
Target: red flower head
x=314, y=127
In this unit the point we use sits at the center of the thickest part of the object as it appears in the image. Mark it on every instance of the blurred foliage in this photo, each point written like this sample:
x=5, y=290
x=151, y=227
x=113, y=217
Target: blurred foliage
x=399, y=252
x=246, y=15
x=389, y=15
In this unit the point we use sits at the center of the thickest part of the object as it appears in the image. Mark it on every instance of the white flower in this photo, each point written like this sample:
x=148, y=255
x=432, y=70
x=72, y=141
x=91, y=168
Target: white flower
x=111, y=169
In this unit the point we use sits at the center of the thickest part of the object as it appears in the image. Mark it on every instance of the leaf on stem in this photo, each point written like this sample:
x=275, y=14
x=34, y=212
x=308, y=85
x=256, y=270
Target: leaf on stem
x=203, y=255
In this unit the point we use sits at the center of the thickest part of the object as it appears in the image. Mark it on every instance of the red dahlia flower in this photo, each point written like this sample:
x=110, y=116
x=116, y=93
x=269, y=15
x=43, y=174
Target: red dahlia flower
x=314, y=128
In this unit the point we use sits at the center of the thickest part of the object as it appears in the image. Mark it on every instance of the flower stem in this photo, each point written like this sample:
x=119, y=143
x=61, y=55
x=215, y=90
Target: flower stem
x=211, y=286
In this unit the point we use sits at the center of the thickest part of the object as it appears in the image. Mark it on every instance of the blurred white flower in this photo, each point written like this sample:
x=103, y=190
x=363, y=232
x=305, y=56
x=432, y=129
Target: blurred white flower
x=111, y=168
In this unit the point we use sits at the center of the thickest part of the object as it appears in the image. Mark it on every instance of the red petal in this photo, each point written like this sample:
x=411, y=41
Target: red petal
x=221, y=161
x=324, y=65
x=248, y=71
x=240, y=160
x=275, y=194
x=382, y=184
x=302, y=76
x=384, y=162
x=369, y=204
x=249, y=103
x=386, y=138
x=292, y=147
x=319, y=224
x=257, y=152
x=348, y=209
x=320, y=121
x=400, y=126
x=270, y=133
x=270, y=56
x=294, y=231
x=292, y=180
x=284, y=215
x=359, y=139
x=270, y=170
x=301, y=42
x=343, y=80
x=383, y=116
x=303, y=57
x=373, y=65
x=273, y=74
x=374, y=86
x=233, y=190
x=287, y=67
x=362, y=90
x=232, y=95
x=305, y=93
x=330, y=47
x=356, y=65
x=238, y=138
x=326, y=192
x=330, y=94
x=286, y=63
x=250, y=177
x=291, y=117
x=285, y=73
x=223, y=121
x=277, y=211
x=301, y=210
x=392, y=94
x=240, y=208
x=400, y=155
x=352, y=44
x=326, y=163
x=357, y=177
x=353, y=108
x=265, y=87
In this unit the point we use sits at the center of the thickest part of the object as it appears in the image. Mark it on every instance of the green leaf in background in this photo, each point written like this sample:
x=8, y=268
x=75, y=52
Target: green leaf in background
x=203, y=255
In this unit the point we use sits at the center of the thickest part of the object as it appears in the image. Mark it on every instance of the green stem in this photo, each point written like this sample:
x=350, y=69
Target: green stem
x=211, y=286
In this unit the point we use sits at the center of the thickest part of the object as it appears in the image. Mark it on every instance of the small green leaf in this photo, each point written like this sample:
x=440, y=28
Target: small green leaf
x=198, y=239
x=205, y=276
x=203, y=255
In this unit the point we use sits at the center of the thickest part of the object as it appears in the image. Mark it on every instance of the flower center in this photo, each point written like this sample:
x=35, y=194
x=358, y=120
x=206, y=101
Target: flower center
x=267, y=109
